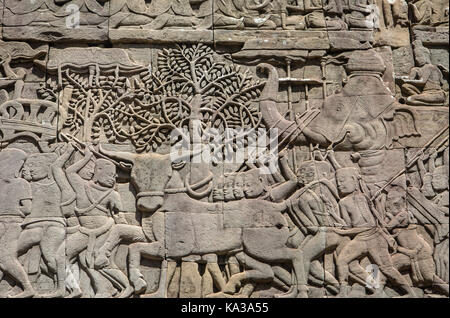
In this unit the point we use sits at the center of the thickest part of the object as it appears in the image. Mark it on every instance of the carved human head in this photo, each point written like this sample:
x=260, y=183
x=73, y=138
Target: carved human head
x=254, y=183
x=228, y=187
x=105, y=173
x=11, y=161
x=87, y=171
x=306, y=172
x=421, y=54
x=238, y=187
x=347, y=180
x=38, y=166
x=217, y=193
x=396, y=200
x=440, y=178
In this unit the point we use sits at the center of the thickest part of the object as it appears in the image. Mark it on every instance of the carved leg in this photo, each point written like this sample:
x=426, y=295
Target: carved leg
x=164, y=278
x=128, y=19
x=427, y=99
x=216, y=274
x=54, y=256
x=72, y=280
x=119, y=280
x=349, y=252
x=153, y=250
x=378, y=251
x=11, y=265
x=255, y=271
x=119, y=233
x=159, y=22
x=440, y=285
x=409, y=89
x=75, y=244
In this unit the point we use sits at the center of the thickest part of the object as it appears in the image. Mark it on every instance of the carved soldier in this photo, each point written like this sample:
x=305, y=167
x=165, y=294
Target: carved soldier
x=54, y=12
x=259, y=13
x=429, y=12
x=128, y=13
x=369, y=237
x=238, y=186
x=45, y=225
x=318, y=214
x=313, y=15
x=236, y=14
x=271, y=223
x=15, y=198
x=414, y=253
x=395, y=13
x=96, y=204
x=225, y=15
x=434, y=182
x=435, y=188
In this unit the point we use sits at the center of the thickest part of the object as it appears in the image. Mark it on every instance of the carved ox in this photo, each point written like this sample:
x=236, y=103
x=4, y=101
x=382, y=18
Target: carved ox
x=192, y=227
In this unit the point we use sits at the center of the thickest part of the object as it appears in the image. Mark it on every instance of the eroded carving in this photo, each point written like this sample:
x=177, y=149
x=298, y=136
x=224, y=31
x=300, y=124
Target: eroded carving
x=256, y=148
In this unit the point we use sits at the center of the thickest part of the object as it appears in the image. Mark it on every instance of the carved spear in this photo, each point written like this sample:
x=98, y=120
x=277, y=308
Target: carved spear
x=413, y=160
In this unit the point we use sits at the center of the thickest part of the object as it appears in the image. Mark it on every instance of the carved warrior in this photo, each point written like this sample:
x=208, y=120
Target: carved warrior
x=16, y=204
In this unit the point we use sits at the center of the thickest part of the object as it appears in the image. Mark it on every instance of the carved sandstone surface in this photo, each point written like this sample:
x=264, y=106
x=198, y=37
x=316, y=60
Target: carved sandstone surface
x=224, y=148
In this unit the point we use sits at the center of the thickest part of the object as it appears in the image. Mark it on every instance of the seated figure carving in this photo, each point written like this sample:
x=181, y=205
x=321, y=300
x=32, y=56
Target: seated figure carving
x=424, y=84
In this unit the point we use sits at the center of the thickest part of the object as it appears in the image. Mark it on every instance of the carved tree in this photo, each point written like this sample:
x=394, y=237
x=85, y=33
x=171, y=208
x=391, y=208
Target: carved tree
x=190, y=84
x=100, y=107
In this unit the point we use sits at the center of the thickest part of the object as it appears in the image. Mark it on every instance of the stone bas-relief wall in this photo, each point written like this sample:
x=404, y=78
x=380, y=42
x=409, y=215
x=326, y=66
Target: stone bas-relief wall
x=314, y=158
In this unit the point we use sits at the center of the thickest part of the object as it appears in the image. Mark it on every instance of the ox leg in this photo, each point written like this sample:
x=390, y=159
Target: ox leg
x=216, y=274
x=283, y=278
x=161, y=292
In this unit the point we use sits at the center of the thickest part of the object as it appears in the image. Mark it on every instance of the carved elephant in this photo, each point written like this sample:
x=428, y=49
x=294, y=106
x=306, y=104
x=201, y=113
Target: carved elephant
x=363, y=116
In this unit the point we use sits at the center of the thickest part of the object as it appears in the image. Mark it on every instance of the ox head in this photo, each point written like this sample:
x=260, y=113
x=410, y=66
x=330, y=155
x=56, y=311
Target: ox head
x=150, y=174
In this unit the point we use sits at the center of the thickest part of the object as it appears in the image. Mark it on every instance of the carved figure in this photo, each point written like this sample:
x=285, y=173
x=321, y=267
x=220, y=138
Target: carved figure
x=96, y=204
x=371, y=237
x=423, y=86
x=16, y=199
x=414, y=253
x=45, y=225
